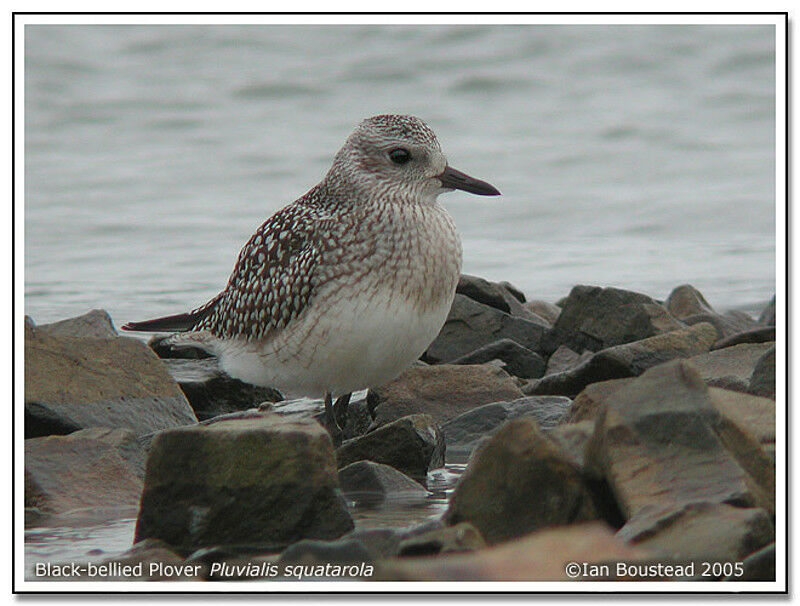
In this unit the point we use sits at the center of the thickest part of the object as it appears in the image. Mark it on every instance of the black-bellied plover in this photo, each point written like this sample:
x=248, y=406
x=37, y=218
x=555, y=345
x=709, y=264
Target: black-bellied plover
x=347, y=286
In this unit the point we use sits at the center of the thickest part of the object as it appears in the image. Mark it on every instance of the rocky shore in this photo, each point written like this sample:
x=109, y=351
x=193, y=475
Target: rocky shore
x=607, y=427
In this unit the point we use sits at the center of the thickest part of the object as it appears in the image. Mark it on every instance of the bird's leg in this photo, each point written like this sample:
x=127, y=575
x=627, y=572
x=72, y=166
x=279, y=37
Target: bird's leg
x=340, y=409
x=330, y=421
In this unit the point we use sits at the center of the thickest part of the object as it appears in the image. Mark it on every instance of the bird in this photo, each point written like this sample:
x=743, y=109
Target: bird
x=346, y=287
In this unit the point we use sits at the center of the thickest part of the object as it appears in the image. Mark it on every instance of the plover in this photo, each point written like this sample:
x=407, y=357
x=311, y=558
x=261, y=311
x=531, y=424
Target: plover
x=346, y=287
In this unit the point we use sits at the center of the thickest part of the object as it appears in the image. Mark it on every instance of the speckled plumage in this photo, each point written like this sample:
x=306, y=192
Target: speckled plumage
x=344, y=288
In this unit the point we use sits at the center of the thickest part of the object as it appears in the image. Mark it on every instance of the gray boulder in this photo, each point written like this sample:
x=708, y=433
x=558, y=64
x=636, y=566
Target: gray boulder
x=767, y=317
x=78, y=382
x=267, y=481
x=762, y=381
x=597, y=318
x=212, y=392
x=629, y=360
x=517, y=360
x=518, y=482
x=471, y=325
x=443, y=391
x=371, y=483
x=412, y=445
x=732, y=367
x=463, y=433
x=96, y=324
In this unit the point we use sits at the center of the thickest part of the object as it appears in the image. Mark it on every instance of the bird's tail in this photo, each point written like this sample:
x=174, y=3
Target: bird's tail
x=176, y=323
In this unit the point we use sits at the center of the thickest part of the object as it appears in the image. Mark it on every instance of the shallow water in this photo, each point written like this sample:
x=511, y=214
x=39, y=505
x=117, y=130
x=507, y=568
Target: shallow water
x=634, y=156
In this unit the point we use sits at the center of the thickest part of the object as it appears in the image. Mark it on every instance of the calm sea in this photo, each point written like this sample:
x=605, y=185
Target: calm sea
x=635, y=156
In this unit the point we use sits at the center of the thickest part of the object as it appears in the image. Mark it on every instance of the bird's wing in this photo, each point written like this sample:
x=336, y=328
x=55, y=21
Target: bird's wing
x=271, y=284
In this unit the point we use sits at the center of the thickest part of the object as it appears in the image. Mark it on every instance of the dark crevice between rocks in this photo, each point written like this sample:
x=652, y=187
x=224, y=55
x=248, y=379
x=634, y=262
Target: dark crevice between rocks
x=604, y=501
x=40, y=421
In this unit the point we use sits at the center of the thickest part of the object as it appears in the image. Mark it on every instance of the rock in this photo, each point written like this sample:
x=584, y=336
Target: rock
x=268, y=481
x=519, y=481
x=762, y=381
x=97, y=469
x=379, y=542
x=502, y=296
x=163, y=350
x=750, y=413
x=471, y=325
x=548, y=311
x=731, y=367
x=564, y=359
x=72, y=383
x=95, y=324
x=517, y=360
x=450, y=539
x=463, y=432
x=758, y=566
x=443, y=392
x=756, y=335
x=767, y=317
x=312, y=552
x=540, y=556
x=590, y=401
x=212, y=392
x=412, y=445
x=700, y=532
x=657, y=444
x=573, y=438
x=596, y=318
x=371, y=483
x=728, y=324
x=628, y=360
x=685, y=301
x=158, y=553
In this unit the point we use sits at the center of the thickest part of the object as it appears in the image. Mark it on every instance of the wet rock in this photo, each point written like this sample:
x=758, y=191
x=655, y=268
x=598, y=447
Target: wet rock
x=596, y=318
x=412, y=445
x=95, y=324
x=762, y=381
x=548, y=311
x=590, y=401
x=517, y=360
x=730, y=368
x=357, y=422
x=767, y=317
x=471, y=325
x=564, y=359
x=97, y=468
x=700, y=531
x=212, y=392
x=628, y=360
x=752, y=414
x=758, y=566
x=443, y=392
x=685, y=301
x=756, y=335
x=312, y=552
x=164, y=350
x=519, y=481
x=657, y=444
x=379, y=542
x=257, y=481
x=73, y=383
x=371, y=483
x=540, y=556
x=463, y=433
x=450, y=539
x=573, y=438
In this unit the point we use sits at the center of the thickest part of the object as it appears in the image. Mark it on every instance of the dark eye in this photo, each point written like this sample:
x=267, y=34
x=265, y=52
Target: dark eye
x=399, y=156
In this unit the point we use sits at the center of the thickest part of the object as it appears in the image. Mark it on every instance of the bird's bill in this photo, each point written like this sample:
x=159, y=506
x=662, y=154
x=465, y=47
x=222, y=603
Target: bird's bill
x=455, y=179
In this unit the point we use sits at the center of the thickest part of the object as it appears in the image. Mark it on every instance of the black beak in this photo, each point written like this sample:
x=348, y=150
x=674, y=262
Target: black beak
x=455, y=179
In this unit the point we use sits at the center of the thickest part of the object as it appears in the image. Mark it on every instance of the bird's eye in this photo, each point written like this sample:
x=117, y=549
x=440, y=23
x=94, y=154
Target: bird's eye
x=399, y=155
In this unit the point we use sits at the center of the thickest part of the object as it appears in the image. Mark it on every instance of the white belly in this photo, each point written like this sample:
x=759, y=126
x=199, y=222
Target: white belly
x=354, y=344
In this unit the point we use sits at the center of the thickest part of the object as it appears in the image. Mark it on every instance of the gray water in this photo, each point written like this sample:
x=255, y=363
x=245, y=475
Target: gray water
x=635, y=156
